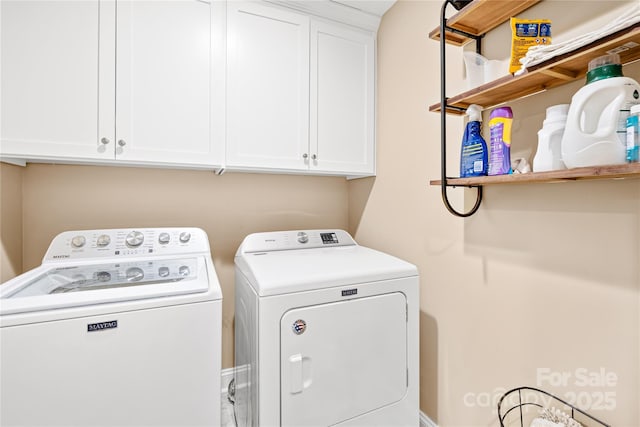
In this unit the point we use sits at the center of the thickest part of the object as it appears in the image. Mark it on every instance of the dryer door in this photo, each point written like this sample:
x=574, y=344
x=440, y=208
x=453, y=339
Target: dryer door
x=342, y=359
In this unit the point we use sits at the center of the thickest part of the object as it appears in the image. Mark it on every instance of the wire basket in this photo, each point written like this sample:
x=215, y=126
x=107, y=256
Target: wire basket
x=518, y=407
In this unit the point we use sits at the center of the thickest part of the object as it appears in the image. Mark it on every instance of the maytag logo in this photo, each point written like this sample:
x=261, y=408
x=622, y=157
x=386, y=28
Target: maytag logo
x=349, y=292
x=92, y=327
x=60, y=256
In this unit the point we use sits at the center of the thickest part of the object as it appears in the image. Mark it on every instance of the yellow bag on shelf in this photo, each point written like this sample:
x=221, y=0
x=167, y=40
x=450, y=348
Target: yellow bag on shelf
x=524, y=34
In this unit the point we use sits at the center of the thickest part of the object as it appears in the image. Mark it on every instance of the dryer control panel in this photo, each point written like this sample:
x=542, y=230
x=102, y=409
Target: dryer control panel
x=126, y=242
x=298, y=239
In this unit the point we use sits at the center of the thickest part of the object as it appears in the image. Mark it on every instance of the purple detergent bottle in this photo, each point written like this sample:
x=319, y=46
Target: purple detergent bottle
x=500, y=130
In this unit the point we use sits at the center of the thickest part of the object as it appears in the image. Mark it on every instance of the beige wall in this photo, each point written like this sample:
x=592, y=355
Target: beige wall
x=10, y=221
x=543, y=276
x=56, y=198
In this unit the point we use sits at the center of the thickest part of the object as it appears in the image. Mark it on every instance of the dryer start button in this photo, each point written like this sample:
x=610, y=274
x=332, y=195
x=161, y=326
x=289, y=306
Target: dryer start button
x=303, y=237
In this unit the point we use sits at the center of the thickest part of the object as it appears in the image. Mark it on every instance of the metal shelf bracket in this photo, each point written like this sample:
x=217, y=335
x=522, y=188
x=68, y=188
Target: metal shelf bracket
x=443, y=115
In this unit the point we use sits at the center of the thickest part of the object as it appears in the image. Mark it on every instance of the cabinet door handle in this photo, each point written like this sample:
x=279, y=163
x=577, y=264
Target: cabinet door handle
x=305, y=155
x=122, y=143
x=314, y=157
x=104, y=141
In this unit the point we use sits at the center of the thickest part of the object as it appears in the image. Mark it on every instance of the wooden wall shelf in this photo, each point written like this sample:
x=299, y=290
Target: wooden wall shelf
x=473, y=21
x=554, y=72
x=479, y=17
x=629, y=170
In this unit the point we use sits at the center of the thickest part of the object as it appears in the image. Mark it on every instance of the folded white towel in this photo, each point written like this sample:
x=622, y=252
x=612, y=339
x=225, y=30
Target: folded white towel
x=540, y=422
x=540, y=53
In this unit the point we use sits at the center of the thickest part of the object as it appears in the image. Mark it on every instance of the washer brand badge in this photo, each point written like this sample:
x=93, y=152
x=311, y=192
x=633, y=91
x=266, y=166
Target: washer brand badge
x=60, y=256
x=92, y=327
x=299, y=326
x=349, y=292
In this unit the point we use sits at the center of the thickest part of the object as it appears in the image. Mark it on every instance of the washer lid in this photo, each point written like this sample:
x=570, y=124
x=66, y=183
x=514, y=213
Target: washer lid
x=72, y=285
x=280, y=272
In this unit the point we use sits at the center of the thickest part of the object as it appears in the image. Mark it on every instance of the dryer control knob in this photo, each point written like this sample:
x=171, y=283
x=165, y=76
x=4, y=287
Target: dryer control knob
x=163, y=271
x=78, y=241
x=134, y=239
x=103, y=240
x=303, y=237
x=185, y=237
x=164, y=238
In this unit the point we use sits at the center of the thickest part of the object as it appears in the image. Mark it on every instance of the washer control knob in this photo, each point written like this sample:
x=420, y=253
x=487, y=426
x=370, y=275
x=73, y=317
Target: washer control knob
x=134, y=274
x=185, y=237
x=164, y=238
x=78, y=241
x=303, y=237
x=184, y=271
x=163, y=271
x=134, y=239
x=103, y=240
x=103, y=276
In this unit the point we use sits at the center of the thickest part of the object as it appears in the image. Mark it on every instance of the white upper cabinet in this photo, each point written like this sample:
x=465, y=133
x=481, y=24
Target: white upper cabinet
x=242, y=85
x=342, y=99
x=130, y=81
x=268, y=87
x=50, y=68
x=300, y=93
x=163, y=82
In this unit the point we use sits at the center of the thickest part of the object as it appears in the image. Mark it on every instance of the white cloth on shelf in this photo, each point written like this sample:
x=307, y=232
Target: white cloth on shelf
x=541, y=422
x=540, y=53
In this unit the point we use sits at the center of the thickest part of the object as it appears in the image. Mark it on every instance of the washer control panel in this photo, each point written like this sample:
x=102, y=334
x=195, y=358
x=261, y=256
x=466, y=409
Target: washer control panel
x=290, y=240
x=79, y=278
x=124, y=242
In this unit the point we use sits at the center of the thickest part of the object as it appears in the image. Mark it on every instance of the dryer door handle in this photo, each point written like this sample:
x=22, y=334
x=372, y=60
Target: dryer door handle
x=295, y=373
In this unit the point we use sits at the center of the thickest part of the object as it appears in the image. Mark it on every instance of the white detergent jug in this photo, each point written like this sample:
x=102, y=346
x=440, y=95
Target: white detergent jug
x=594, y=134
x=549, y=154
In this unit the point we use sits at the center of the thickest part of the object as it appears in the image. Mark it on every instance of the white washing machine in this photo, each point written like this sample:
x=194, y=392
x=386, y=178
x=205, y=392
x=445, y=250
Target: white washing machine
x=326, y=333
x=116, y=327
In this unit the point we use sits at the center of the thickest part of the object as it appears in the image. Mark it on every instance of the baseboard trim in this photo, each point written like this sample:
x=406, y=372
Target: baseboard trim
x=227, y=375
x=425, y=421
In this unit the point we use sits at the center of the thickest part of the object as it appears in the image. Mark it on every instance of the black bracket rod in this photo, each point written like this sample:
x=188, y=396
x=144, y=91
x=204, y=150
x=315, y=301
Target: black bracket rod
x=456, y=108
x=476, y=38
x=443, y=121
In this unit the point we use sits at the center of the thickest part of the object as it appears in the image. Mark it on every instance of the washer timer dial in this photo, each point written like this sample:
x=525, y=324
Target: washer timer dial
x=134, y=239
x=78, y=241
x=103, y=240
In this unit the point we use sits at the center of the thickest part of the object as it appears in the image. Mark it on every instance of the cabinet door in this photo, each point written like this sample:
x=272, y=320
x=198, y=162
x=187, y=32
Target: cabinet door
x=57, y=62
x=268, y=87
x=342, y=99
x=164, y=87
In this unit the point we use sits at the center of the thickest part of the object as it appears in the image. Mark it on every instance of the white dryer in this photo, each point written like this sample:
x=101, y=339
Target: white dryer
x=326, y=333
x=116, y=327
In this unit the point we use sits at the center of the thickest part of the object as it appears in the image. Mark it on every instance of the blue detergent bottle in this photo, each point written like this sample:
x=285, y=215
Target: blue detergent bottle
x=474, y=157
